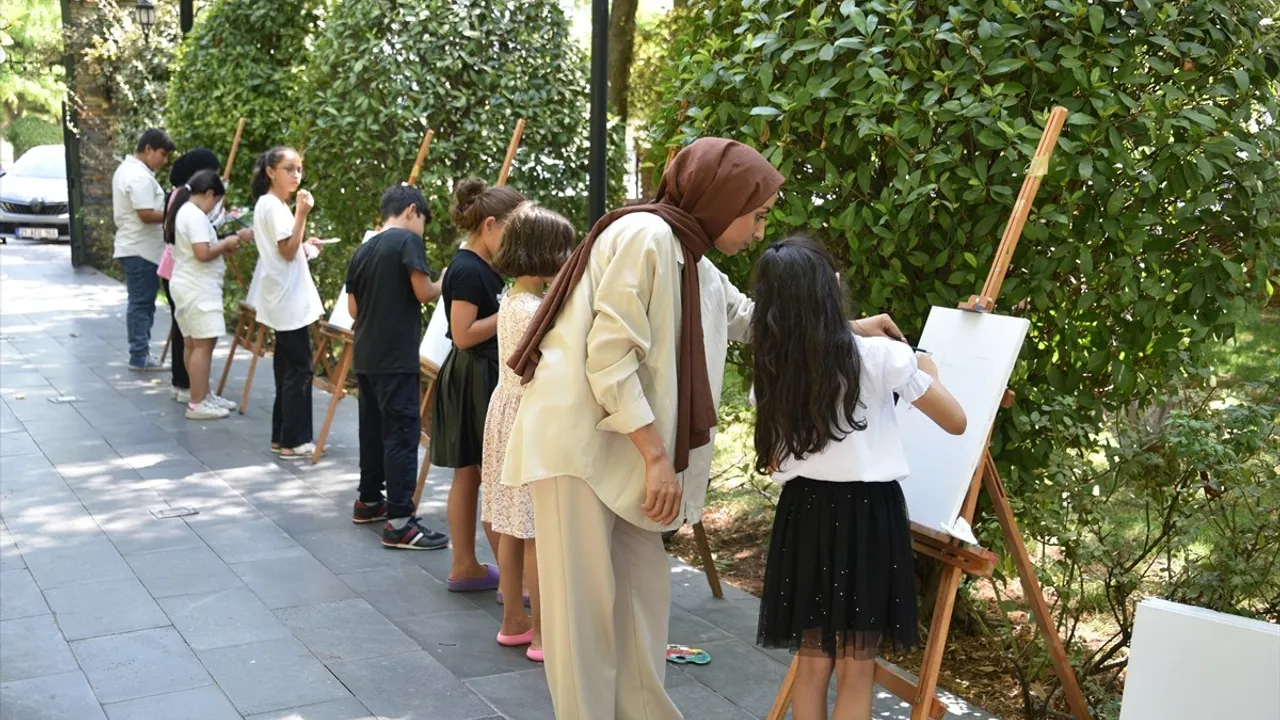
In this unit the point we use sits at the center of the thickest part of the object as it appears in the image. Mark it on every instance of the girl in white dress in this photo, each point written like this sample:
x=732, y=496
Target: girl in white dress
x=196, y=285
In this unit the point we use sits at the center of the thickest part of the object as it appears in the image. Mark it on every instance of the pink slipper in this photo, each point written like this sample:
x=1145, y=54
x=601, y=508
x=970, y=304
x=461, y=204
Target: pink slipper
x=534, y=655
x=523, y=638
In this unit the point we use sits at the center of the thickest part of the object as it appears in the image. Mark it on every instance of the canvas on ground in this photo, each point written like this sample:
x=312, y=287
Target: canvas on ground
x=1188, y=663
x=975, y=354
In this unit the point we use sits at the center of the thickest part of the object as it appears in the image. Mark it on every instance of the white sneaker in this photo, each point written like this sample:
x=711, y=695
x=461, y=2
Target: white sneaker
x=206, y=410
x=298, y=453
x=181, y=395
x=222, y=402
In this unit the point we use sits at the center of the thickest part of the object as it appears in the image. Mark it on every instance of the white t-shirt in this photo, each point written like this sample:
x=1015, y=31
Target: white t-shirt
x=133, y=188
x=874, y=454
x=191, y=276
x=283, y=293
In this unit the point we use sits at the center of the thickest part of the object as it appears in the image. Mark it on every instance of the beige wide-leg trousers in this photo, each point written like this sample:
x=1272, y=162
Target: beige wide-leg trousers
x=606, y=603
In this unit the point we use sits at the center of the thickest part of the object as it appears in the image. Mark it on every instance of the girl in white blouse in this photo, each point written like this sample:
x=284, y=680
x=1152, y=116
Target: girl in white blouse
x=839, y=578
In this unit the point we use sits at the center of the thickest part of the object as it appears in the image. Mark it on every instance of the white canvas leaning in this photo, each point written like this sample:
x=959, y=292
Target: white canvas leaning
x=975, y=354
x=339, y=317
x=435, y=346
x=1188, y=663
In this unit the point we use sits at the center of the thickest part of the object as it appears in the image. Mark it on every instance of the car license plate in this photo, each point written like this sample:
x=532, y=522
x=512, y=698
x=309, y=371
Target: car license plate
x=38, y=233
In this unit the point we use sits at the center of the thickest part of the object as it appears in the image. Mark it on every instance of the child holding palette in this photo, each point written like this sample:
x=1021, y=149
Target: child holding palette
x=839, y=577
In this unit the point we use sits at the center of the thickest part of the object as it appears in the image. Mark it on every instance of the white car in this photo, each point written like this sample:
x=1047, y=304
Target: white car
x=33, y=196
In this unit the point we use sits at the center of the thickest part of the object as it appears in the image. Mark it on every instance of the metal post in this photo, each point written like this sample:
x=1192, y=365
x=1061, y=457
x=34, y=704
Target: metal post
x=597, y=163
x=71, y=146
x=186, y=15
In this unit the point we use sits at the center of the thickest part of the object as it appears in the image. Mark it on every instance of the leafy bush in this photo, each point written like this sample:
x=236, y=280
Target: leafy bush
x=386, y=70
x=904, y=129
x=27, y=132
x=244, y=59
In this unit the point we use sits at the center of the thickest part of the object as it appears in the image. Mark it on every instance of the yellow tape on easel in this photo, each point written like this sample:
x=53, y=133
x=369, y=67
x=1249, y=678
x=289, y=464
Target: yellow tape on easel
x=1039, y=166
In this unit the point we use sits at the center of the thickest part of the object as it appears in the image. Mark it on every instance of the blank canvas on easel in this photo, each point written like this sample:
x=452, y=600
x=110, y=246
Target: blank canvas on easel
x=339, y=317
x=975, y=354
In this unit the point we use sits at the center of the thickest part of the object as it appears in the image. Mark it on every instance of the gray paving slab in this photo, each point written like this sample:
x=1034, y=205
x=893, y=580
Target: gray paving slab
x=348, y=548
x=10, y=556
x=410, y=685
x=297, y=579
x=139, y=664
x=81, y=561
x=203, y=703
x=349, y=709
x=19, y=595
x=223, y=618
x=52, y=697
x=117, y=606
x=465, y=643
x=136, y=530
x=18, y=443
x=247, y=541
x=521, y=694
x=404, y=592
x=33, y=647
x=273, y=675
x=345, y=630
x=186, y=571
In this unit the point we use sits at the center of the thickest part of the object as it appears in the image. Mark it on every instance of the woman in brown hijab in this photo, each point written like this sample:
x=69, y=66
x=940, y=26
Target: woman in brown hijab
x=618, y=397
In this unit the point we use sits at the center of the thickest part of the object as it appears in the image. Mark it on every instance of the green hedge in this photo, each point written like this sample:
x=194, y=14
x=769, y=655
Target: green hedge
x=27, y=132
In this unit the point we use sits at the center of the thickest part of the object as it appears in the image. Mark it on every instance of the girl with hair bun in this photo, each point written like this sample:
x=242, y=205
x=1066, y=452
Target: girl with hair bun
x=472, y=290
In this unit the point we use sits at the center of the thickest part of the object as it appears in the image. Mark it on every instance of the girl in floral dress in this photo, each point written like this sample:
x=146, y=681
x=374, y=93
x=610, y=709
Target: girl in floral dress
x=536, y=243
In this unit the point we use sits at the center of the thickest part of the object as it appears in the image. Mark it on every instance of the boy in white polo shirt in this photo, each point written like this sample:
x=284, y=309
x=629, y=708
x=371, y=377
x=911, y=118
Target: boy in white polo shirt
x=138, y=205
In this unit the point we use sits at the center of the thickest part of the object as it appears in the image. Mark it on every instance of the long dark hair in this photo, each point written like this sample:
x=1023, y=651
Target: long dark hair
x=807, y=366
x=201, y=182
x=261, y=183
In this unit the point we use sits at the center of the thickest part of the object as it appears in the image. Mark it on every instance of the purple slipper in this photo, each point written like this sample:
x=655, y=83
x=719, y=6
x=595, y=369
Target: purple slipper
x=488, y=582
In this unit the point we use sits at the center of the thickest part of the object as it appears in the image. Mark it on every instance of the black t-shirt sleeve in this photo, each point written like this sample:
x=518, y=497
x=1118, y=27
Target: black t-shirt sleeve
x=467, y=284
x=414, y=256
x=350, y=281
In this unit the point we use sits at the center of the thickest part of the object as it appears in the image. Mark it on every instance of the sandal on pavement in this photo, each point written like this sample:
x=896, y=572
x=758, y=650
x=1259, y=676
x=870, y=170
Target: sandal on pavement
x=523, y=638
x=488, y=582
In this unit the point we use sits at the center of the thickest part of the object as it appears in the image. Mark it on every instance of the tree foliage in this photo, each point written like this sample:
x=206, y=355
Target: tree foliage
x=386, y=70
x=31, y=73
x=244, y=59
x=904, y=130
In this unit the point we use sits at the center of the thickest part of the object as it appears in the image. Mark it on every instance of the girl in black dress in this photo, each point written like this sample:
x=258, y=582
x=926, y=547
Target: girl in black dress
x=839, y=577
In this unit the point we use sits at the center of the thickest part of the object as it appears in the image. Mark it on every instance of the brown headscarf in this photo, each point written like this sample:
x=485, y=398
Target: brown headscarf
x=709, y=184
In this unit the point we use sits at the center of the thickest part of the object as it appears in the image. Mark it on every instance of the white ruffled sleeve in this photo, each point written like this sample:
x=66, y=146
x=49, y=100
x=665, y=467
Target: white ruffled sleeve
x=901, y=372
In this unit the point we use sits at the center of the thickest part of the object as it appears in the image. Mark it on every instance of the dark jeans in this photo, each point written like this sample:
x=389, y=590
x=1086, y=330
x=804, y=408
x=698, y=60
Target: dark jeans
x=390, y=429
x=141, y=281
x=291, y=414
x=179, y=364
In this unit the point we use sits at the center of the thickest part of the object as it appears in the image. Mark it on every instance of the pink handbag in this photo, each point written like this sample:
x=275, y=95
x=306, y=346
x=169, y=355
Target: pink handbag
x=165, y=268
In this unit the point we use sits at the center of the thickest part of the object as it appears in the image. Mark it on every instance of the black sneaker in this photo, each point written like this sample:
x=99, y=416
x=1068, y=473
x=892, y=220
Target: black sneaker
x=363, y=513
x=413, y=536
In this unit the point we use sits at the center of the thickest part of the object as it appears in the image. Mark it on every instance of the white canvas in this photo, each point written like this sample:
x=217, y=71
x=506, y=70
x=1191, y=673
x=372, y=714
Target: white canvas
x=975, y=354
x=435, y=346
x=340, y=317
x=1188, y=663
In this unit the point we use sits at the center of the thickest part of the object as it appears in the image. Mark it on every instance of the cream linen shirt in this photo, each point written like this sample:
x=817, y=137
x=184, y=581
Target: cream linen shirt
x=608, y=368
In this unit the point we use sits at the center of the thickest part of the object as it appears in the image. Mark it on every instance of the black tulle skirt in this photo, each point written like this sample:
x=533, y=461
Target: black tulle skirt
x=839, y=578
x=467, y=379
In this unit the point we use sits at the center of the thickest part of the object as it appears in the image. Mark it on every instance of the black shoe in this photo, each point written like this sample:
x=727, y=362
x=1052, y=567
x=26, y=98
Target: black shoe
x=363, y=513
x=413, y=536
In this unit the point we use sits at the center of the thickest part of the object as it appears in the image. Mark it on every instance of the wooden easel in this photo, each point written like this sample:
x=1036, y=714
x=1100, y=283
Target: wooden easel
x=226, y=175
x=430, y=372
x=334, y=380
x=956, y=556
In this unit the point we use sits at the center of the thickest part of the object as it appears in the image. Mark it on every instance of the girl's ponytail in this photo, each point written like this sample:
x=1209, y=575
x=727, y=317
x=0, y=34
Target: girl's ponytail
x=200, y=183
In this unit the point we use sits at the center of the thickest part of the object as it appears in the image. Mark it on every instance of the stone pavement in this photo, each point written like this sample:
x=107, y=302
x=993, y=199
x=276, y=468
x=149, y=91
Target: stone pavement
x=268, y=603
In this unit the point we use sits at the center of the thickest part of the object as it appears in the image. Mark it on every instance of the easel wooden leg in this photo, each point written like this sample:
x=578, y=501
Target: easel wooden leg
x=167, y=339
x=254, y=354
x=931, y=666
x=424, y=439
x=1031, y=590
x=708, y=563
x=338, y=387
x=782, y=702
x=240, y=332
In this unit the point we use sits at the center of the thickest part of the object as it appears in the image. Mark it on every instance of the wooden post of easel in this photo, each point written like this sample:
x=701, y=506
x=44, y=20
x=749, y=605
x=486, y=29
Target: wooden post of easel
x=956, y=556
x=428, y=369
x=334, y=380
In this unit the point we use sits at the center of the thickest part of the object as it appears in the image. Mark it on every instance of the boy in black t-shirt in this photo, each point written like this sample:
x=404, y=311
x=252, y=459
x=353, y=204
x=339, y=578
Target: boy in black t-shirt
x=387, y=284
